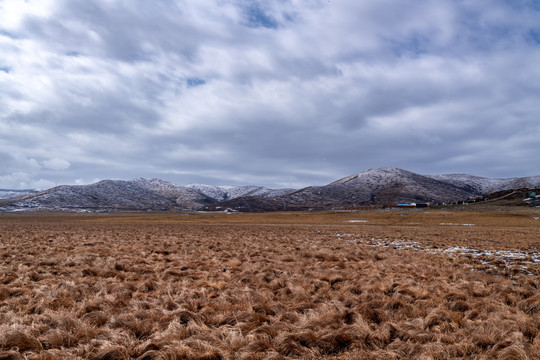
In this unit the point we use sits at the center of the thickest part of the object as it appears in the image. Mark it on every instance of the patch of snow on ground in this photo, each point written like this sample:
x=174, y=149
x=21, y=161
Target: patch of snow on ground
x=357, y=221
x=457, y=224
x=488, y=258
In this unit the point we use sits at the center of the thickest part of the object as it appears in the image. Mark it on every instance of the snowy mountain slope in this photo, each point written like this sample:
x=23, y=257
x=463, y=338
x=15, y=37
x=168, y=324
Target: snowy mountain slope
x=136, y=194
x=482, y=185
x=389, y=186
x=5, y=202
x=9, y=193
x=224, y=193
x=184, y=196
x=384, y=186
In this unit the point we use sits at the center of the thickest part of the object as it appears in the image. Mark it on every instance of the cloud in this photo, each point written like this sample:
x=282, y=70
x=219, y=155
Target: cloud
x=286, y=92
x=57, y=164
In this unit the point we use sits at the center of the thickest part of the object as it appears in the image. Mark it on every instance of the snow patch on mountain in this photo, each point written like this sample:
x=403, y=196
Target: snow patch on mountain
x=483, y=185
x=138, y=194
x=378, y=177
x=229, y=192
x=9, y=193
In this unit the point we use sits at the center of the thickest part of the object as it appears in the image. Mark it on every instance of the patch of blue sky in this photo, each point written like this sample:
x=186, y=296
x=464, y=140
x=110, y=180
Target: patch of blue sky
x=534, y=36
x=140, y=57
x=501, y=32
x=256, y=17
x=73, y=53
x=411, y=46
x=5, y=69
x=194, y=82
x=486, y=37
x=524, y=4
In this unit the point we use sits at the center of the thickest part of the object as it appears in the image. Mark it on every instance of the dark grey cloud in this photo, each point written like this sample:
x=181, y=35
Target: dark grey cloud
x=282, y=93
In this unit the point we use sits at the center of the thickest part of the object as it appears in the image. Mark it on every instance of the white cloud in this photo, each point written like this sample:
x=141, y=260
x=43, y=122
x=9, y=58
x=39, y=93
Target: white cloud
x=56, y=164
x=14, y=12
x=22, y=180
x=301, y=90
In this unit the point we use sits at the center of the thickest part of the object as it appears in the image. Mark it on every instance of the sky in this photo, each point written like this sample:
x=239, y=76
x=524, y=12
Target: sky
x=283, y=93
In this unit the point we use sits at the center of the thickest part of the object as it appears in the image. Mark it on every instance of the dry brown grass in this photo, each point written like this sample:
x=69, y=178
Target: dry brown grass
x=262, y=286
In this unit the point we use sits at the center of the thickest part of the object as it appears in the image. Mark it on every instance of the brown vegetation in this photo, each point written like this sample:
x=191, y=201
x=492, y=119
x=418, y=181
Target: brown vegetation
x=265, y=286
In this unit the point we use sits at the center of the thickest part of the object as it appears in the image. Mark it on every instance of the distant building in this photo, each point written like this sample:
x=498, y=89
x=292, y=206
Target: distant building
x=413, y=204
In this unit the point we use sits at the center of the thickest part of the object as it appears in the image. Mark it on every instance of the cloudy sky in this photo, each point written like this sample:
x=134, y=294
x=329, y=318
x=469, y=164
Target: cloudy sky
x=277, y=93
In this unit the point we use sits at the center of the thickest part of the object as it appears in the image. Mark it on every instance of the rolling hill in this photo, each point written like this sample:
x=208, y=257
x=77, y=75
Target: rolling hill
x=383, y=186
x=137, y=194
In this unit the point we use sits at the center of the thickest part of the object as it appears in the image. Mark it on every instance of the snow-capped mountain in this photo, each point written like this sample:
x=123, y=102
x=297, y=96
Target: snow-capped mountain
x=137, y=194
x=483, y=185
x=372, y=187
x=384, y=186
x=227, y=192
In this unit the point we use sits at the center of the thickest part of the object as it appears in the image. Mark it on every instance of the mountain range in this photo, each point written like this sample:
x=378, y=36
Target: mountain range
x=383, y=186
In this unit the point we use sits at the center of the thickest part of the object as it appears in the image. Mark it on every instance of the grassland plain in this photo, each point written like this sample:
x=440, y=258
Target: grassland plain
x=386, y=284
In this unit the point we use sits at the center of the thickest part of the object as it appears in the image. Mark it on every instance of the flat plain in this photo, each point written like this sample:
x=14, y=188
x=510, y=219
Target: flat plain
x=379, y=284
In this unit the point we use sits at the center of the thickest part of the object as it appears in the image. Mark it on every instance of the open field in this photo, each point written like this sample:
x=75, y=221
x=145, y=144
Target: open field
x=384, y=284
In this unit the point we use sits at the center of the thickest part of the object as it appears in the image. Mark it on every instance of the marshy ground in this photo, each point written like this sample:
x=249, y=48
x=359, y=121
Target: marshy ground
x=384, y=284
